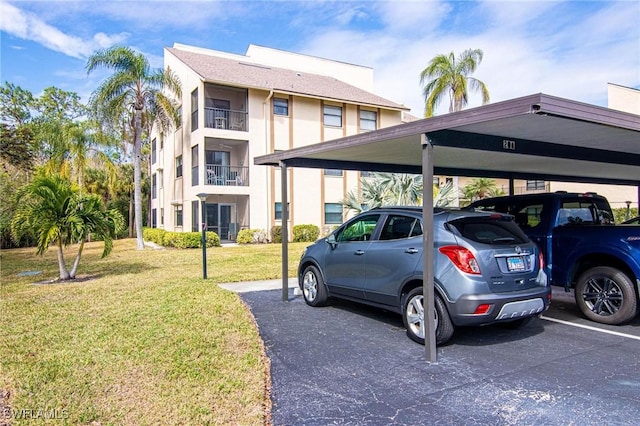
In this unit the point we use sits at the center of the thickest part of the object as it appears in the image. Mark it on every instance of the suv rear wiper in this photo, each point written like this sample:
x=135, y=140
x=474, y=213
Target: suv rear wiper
x=503, y=240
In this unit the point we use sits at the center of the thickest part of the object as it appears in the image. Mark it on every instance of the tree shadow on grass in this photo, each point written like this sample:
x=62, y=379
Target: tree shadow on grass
x=111, y=269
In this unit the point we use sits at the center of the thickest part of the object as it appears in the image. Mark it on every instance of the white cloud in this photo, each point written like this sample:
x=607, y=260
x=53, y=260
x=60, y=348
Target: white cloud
x=29, y=26
x=412, y=17
x=554, y=48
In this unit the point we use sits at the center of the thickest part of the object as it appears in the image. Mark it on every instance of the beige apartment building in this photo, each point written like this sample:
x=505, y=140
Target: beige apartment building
x=237, y=107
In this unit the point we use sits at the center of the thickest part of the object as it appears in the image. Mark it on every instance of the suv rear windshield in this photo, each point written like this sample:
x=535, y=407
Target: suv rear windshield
x=489, y=230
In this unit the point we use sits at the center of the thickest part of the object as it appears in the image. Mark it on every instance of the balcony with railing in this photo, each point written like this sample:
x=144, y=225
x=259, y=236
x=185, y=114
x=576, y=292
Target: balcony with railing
x=227, y=175
x=225, y=107
x=219, y=118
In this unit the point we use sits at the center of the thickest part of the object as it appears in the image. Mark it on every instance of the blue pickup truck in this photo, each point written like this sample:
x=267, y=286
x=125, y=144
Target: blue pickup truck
x=582, y=249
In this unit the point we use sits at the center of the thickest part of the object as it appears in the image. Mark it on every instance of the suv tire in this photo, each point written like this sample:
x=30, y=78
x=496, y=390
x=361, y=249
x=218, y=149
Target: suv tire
x=413, y=317
x=313, y=288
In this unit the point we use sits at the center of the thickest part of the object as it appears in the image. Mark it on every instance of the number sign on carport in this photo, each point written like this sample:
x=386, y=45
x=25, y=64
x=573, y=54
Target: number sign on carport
x=537, y=137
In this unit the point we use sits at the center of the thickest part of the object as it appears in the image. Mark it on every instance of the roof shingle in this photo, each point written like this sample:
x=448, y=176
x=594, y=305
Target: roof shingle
x=217, y=69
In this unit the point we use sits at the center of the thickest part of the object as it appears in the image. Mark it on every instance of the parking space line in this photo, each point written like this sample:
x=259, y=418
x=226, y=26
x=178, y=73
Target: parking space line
x=588, y=327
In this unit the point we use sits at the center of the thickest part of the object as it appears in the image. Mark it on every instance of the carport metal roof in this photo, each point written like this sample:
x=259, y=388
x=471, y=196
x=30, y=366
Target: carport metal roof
x=534, y=137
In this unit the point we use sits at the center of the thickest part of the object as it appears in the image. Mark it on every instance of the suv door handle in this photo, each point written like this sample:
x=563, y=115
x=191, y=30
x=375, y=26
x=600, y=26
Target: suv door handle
x=412, y=251
x=359, y=252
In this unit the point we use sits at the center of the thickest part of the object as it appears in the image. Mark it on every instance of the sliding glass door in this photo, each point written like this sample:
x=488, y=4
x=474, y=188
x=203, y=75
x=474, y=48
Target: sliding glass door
x=221, y=218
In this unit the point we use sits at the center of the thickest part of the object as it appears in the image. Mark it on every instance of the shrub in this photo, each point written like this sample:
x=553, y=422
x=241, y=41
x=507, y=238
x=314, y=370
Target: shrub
x=305, y=233
x=276, y=234
x=179, y=239
x=620, y=213
x=251, y=236
x=187, y=240
x=155, y=235
x=213, y=240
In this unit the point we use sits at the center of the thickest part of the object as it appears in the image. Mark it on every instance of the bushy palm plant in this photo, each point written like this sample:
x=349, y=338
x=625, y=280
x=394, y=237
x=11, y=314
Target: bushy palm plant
x=57, y=213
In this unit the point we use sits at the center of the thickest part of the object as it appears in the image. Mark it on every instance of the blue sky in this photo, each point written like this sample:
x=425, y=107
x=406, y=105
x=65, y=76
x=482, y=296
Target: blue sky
x=570, y=49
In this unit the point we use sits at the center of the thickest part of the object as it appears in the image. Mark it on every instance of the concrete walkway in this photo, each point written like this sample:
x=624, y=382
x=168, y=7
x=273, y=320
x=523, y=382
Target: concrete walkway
x=248, y=286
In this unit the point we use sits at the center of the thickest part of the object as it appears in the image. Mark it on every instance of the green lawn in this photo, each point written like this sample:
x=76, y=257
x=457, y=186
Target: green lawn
x=140, y=338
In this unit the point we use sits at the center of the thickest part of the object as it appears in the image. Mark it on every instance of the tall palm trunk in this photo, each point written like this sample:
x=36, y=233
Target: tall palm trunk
x=131, y=224
x=137, y=176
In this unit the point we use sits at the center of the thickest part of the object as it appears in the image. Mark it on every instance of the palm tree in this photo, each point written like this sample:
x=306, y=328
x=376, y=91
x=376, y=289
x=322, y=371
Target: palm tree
x=385, y=189
x=138, y=88
x=57, y=213
x=481, y=188
x=445, y=196
x=447, y=75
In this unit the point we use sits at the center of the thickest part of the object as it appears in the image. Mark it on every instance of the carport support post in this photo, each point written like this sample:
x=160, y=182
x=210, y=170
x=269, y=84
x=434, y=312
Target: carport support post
x=427, y=250
x=285, y=232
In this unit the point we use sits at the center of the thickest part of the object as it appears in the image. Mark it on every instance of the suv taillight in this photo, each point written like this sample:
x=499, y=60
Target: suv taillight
x=462, y=258
x=541, y=259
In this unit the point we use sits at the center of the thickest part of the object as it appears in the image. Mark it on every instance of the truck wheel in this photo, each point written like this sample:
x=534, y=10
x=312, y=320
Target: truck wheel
x=606, y=295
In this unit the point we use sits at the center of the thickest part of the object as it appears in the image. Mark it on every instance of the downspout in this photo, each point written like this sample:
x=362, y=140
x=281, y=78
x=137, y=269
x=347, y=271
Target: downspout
x=266, y=122
x=266, y=144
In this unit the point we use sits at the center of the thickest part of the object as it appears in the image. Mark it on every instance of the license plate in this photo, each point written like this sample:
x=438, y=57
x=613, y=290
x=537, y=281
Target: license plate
x=515, y=264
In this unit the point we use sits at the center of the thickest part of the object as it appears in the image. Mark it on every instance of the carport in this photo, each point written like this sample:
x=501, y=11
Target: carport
x=536, y=137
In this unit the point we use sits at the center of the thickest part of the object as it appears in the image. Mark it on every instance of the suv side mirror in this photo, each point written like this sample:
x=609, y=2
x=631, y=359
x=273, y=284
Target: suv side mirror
x=331, y=240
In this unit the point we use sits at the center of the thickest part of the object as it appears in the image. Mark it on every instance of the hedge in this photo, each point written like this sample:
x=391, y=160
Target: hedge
x=251, y=236
x=305, y=233
x=276, y=234
x=179, y=239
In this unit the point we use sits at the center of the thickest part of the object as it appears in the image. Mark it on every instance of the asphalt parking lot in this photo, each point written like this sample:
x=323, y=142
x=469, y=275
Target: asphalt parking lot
x=351, y=364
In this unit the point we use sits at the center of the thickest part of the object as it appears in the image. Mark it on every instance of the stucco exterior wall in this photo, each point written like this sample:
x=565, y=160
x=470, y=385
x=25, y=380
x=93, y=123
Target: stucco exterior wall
x=265, y=132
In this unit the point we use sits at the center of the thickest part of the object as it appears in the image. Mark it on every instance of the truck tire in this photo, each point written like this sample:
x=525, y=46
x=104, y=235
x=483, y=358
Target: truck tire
x=606, y=295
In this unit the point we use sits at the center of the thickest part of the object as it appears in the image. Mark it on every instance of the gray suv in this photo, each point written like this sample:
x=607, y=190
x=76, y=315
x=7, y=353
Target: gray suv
x=486, y=269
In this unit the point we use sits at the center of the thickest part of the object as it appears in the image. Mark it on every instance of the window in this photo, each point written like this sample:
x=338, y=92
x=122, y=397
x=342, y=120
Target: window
x=178, y=212
x=332, y=116
x=154, y=186
x=154, y=213
x=179, y=111
x=161, y=142
x=280, y=106
x=195, y=217
x=161, y=217
x=398, y=227
x=194, y=165
x=360, y=229
x=194, y=110
x=489, y=230
x=535, y=185
x=153, y=151
x=333, y=213
x=332, y=172
x=368, y=120
x=278, y=211
x=179, y=166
